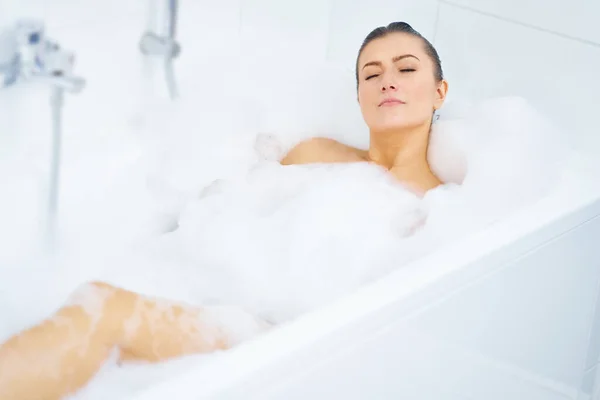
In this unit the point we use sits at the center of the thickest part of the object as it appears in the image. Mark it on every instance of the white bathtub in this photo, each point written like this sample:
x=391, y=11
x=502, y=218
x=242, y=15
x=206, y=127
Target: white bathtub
x=510, y=313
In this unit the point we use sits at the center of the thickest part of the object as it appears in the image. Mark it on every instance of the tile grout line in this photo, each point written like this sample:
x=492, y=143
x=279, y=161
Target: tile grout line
x=523, y=24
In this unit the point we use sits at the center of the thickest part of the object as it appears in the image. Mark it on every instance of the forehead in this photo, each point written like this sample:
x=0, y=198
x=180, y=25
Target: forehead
x=392, y=45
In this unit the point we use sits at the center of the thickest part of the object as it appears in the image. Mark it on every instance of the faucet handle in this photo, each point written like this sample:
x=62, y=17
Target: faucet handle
x=56, y=68
x=56, y=61
x=42, y=59
x=29, y=32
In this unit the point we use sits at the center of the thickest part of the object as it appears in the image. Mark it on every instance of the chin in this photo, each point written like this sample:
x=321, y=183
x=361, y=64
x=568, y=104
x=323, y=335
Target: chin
x=399, y=122
x=393, y=125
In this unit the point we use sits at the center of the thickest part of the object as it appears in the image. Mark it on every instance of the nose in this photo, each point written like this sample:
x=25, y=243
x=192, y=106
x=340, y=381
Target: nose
x=388, y=86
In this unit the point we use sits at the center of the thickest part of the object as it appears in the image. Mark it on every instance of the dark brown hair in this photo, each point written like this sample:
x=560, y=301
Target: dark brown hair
x=403, y=27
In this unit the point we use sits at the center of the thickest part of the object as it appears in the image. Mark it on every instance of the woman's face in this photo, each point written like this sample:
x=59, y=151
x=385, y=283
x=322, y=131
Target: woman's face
x=397, y=88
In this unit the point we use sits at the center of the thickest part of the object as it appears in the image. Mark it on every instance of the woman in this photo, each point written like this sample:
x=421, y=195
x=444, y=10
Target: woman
x=400, y=86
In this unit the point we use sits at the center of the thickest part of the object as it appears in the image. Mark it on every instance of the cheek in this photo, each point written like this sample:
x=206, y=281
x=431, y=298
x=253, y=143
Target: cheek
x=417, y=90
x=422, y=94
x=366, y=100
x=365, y=95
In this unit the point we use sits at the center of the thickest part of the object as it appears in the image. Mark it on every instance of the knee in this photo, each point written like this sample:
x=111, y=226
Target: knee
x=92, y=296
x=98, y=286
x=99, y=302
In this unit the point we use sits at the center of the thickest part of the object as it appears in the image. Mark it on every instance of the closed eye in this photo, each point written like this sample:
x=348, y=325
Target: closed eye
x=402, y=70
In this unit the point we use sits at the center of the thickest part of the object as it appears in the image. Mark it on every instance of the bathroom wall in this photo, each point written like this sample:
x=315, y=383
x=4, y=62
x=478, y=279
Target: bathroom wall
x=547, y=51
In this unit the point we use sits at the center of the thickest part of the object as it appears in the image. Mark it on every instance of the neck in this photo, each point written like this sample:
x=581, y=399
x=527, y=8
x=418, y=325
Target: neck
x=404, y=154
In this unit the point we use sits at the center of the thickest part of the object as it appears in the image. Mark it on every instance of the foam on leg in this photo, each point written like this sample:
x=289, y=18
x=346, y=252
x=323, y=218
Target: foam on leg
x=60, y=355
x=156, y=329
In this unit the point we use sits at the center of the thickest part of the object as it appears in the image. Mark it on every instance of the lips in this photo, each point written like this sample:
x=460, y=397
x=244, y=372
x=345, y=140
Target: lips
x=390, y=102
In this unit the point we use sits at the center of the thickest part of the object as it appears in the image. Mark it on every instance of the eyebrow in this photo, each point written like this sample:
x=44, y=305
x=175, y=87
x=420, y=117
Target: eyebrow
x=395, y=59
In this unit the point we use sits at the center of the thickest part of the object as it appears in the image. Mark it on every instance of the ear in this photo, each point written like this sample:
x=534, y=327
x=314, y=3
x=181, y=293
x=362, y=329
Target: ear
x=441, y=92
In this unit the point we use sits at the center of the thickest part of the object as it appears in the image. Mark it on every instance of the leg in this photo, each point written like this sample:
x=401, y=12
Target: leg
x=62, y=354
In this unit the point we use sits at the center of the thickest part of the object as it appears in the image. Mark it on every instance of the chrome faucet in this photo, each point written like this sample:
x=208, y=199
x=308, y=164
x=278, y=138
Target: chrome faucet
x=165, y=45
x=27, y=55
x=42, y=60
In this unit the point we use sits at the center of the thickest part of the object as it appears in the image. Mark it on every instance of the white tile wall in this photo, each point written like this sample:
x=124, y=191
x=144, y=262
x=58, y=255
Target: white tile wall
x=484, y=57
x=209, y=34
x=574, y=18
x=290, y=29
x=351, y=22
x=207, y=26
x=67, y=13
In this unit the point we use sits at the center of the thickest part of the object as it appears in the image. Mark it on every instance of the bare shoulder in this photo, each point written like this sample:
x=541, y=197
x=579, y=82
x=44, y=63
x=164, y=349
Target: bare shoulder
x=323, y=150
